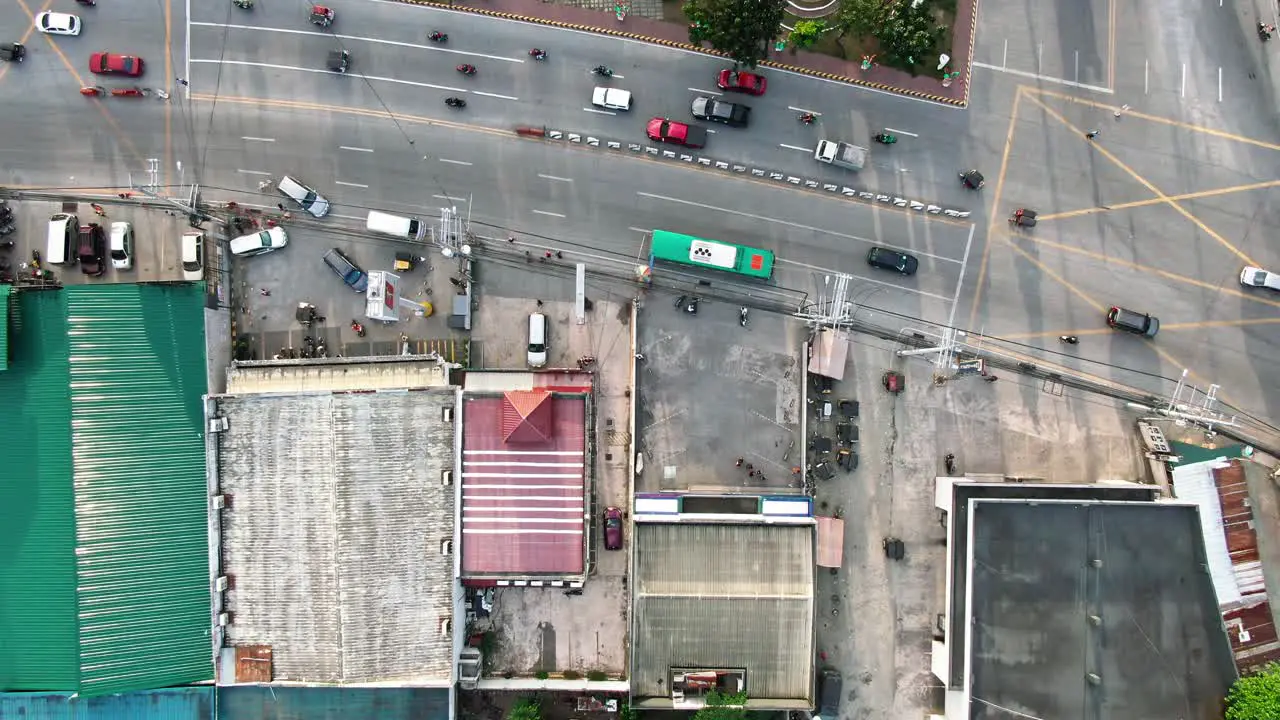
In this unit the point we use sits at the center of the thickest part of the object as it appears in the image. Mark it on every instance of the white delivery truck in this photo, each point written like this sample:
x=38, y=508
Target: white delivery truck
x=840, y=154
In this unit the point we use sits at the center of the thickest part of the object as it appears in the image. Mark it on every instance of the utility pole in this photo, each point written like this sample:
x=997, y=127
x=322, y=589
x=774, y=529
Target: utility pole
x=1188, y=404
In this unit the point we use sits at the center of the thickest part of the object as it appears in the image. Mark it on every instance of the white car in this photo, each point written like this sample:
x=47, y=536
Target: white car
x=260, y=242
x=56, y=23
x=193, y=255
x=611, y=98
x=1257, y=277
x=121, y=246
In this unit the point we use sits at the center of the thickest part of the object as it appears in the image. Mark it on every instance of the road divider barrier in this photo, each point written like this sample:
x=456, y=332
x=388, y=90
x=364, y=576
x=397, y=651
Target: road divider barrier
x=710, y=162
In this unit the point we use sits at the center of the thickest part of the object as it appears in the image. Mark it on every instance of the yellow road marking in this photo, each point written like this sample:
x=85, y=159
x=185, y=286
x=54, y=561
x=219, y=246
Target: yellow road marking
x=25, y=37
x=1145, y=183
x=1157, y=201
x=1110, y=260
x=1200, y=324
x=1067, y=285
x=419, y=120
x=1004, y=168
x=1156, y=119
x=115, y=127
x=1056, y=333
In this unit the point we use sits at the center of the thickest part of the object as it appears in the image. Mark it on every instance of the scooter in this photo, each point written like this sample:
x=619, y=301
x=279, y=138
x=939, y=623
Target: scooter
x=586, y=361
x=691, y=306
x=127, y=92
x=357, y=328
x=35, y=259
x=455, y=102
x=466, y=69
x=742, y=316
x=1264, y=31
x=6, y=245
x=602, y=71
x=884, y=138
x=243, y=4
x=808, y=118
x=93, y=90
x=437, y=36
x=537, y=54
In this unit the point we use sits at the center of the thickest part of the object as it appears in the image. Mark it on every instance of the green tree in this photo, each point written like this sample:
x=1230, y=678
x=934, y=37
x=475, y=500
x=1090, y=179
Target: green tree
x=907, y=34
x=720, y=706
x=1256, y=696
x=861, y=18
x=741, y=29
x=525, y=709
x=806, y=33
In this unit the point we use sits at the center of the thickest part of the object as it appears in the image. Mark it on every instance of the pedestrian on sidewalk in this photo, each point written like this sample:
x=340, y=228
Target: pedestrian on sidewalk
x=1091, y=134
x=559, y=255
x=539, y=302
x=281, y=206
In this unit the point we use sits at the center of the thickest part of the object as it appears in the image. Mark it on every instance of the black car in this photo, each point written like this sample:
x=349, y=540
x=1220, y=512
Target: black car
x=829, y=686
x=886, y=259
x=91, y=246
x=731, y=114
x=351, y=274
x=1134, y=322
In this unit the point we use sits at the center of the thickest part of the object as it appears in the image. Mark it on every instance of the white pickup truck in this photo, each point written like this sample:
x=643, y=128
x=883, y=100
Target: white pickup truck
x=840, y=154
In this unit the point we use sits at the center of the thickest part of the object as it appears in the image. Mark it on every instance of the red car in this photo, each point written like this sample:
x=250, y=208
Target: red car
x=744, y=82
x=105, y=63
x=613, y=529
x=676, y=133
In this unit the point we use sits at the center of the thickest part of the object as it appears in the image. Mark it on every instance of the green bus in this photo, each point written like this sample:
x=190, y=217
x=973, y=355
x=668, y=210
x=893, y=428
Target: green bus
x=699, y=252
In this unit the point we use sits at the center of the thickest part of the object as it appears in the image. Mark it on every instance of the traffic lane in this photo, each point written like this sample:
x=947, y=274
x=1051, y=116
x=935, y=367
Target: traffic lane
x=1066, y=40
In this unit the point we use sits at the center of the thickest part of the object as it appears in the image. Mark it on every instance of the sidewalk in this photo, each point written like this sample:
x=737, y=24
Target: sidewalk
x=676, y=35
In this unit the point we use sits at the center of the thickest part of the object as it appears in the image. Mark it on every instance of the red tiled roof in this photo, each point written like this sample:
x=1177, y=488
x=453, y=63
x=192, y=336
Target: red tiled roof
x=1250, y=628
x=523, y=501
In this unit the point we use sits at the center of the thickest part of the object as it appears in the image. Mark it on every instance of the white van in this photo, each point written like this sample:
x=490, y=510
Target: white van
x=537, y=340
x=402, y=228
x=62, y=235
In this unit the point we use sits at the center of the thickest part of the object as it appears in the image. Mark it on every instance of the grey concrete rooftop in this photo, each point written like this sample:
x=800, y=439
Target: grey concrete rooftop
x=1063, y=591
x=333, y=533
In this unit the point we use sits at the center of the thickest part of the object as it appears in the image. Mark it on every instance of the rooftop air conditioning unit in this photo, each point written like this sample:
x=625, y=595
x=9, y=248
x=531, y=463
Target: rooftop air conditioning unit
x=447, y=414
x=219, y=502
x=446, y=547
x=446, y=477
x=222, y=583
x=224, y=619
x=218, y=424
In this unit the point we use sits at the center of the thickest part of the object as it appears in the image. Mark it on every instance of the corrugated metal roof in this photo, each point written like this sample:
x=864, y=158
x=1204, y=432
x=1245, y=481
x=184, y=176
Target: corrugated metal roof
x=137, y=374
x=37, y=520
x=329, y=703
x=191, y=703
x=6, y=296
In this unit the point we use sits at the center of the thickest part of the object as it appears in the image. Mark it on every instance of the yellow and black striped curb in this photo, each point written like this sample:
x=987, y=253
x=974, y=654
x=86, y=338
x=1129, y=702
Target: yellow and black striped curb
x=958, y=102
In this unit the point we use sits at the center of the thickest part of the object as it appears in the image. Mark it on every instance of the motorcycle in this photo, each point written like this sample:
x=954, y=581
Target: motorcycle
x=243, y=4
x=36, y=259
x=437, y=36
x=6, y=245
x=454, y=102
x=602, y=71
x=808, y=118
x=1264, y=31
x=357, y=328
x=586, y=361
x=8, y=230
x=884, y=138
x=94, y=90
x=466, y=69
x=127, y=92
x=537, y=54
x=742, y=316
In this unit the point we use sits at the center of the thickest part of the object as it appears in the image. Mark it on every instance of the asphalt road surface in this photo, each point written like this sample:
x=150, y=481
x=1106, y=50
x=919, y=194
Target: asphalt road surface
x=1159, y=214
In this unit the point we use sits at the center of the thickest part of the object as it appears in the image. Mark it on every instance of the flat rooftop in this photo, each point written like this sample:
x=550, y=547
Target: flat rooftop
x=333, y=533
x=524, y=491
x=1040, y=573
x=725, y=596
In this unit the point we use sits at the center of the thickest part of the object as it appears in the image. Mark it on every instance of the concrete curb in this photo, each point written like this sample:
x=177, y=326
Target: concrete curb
x=961, y=102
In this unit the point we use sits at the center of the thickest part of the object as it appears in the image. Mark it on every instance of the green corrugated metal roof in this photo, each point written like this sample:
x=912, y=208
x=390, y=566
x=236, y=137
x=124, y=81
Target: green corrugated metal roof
x=188, y=703
x=106, y=587
x=6, y=294
x=137, y=376
x=38, y=635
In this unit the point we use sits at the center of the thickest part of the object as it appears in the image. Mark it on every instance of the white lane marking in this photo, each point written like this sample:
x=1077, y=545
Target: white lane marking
x=599, y=112
x=705, y=92
x=815, y=113
x=1219, y=83
x=379, y=41
x=798, y=226
x=358, y=185
x=258, y=139
x=639, y=230
x=795, y=147
x=494, y=95
x=1183, y=91
x=901, y=132
x=354, y=149
x=329, y=72
x=254, y=172
x=453, y=162
x=553, y=177
x=1044, y=78
x=713, y=132
x=955, y=300
x=451, y=199
x=862, y=279
x=544, y=212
